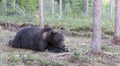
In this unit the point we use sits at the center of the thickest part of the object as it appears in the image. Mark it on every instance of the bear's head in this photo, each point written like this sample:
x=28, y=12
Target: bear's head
x=56, y=38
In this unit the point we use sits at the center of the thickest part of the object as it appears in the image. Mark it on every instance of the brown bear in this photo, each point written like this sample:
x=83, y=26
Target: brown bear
x=39, y=39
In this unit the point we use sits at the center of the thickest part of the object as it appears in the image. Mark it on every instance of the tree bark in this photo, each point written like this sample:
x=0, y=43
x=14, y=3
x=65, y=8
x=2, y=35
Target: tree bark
x=111, y=2
x=14, y=4
x=60, y=9
x=41, y=13
x=96, y=36
x=117, y=22
x=53, y=9
x=4, y=7
x=87, y=8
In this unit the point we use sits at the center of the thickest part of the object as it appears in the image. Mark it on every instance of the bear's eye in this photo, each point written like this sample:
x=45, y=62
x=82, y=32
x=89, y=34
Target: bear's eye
x=61, y=39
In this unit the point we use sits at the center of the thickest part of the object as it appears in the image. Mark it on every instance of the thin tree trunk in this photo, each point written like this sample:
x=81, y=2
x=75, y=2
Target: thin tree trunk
x=53, y=9
x=4, y=6
x=96, y=36
x=60, y=9
x=14, y=4
x=41, y=13
x=111, y=1
x=117, y=19
x=87, y=8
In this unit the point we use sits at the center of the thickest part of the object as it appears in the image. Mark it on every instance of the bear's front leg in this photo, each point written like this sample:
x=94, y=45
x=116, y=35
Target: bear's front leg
x=57, y=50
x=43, y=45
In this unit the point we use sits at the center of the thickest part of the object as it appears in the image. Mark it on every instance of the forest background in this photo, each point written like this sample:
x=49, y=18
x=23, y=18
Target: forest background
x=76, y=14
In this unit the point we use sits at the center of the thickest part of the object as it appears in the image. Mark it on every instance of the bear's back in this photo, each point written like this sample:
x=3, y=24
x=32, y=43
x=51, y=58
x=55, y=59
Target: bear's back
x=34, y=32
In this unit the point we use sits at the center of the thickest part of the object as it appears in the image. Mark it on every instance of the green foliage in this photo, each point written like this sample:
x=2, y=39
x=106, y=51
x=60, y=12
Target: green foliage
x=13, y=58
x=73, y=14
x=104, y=47
x=29, y=5
x=72, y=8
x=79, y=57
x=75, y=6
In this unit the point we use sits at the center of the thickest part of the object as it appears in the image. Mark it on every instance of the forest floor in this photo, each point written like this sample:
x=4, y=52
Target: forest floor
x=77, y=56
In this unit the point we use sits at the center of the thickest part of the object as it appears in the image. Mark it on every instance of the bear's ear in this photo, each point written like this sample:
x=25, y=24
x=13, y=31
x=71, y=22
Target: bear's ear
x=51, y=33
x=62, y=30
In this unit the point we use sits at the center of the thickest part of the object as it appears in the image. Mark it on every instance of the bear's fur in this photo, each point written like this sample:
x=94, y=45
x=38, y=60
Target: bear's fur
x=39, y=39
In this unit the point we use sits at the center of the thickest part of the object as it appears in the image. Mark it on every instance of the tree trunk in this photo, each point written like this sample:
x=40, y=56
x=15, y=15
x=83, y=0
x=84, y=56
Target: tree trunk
x=53, y=9
x=96, y=36
x=87, y=8
x=111, y=1
x=14, y=4
x=4, y=7
x=41, y=13
x=60, y=9
x=117, y=22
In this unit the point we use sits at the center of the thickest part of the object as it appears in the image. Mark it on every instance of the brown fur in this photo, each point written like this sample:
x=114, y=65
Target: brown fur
x=35, y=38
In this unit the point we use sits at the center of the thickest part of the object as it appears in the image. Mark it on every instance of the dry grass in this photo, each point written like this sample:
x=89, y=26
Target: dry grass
x=78, y=46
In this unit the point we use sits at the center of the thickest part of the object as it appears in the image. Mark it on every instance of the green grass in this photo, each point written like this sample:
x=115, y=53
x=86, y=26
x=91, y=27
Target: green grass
x=104, y=47
x=77, y=47
x=72, y=23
